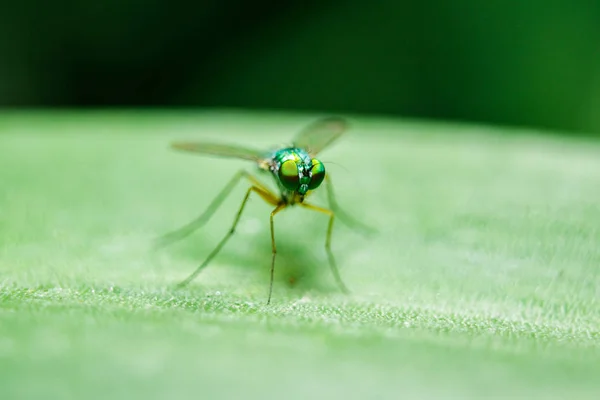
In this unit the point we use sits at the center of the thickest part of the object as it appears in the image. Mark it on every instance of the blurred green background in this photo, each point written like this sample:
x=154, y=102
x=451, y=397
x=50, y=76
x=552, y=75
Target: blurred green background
x=531, y=63
x=484, y=277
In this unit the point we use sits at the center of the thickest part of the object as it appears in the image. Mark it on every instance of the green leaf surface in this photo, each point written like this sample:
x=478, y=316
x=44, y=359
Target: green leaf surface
x=482, y=281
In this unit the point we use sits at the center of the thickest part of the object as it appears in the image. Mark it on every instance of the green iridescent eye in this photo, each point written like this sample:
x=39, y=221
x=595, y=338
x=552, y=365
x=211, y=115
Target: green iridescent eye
x=288, y=175
x=318, y=174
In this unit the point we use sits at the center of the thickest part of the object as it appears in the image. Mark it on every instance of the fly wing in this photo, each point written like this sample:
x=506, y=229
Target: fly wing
x=222, y=150
x=320, y=134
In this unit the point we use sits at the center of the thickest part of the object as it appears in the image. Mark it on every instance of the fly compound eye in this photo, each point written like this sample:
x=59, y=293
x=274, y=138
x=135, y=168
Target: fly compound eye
x=318, y=174
x=289, y=175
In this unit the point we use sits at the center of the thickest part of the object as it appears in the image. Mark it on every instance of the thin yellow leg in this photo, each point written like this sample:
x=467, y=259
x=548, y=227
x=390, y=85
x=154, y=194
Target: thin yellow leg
x=332, y=262
x=273, y=248
x=197, y=223
x=264, y=194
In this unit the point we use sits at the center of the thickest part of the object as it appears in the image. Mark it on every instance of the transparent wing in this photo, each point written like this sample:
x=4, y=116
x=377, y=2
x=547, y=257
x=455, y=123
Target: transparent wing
x=222, y=150
x=320, y=134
